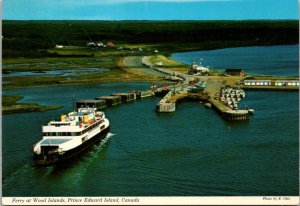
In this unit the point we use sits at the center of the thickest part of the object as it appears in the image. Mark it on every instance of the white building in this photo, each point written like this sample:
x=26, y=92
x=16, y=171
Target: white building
x=287, y=83
x=100, y=44
x=199, y=69
x=90, y=44
x=253, y=82
x=59, y=46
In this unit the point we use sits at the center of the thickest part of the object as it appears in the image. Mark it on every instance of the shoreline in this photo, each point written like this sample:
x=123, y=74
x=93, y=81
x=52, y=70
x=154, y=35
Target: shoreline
x=231, y=47
x=123, y=73
x=121, y=68
x=10, y=106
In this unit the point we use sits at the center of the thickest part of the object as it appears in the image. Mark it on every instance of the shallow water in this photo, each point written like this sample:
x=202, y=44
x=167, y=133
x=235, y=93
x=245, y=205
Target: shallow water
x=60, y=72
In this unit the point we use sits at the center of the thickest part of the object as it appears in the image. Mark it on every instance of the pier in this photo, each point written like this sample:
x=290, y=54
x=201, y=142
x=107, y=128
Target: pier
x=211, y=94
x=180, y=91
x=165, y=105
x=211, y=90
x=168, y=104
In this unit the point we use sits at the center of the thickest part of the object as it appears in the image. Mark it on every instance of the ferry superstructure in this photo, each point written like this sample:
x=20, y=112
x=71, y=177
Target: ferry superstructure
x=71, y=135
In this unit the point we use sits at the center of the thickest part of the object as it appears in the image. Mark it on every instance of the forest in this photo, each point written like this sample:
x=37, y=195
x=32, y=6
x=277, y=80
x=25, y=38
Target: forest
x=33, y=38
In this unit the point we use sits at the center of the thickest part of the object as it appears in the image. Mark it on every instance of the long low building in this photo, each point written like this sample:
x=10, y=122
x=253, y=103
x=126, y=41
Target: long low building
x=286, y=83
x=279, y=83
x=257, y=82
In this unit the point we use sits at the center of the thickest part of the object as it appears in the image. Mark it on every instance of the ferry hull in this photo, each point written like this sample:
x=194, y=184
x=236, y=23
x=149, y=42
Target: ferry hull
x=54, y=158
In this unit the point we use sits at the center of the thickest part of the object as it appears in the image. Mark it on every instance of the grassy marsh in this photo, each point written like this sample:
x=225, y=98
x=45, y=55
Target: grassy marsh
x=10, y=106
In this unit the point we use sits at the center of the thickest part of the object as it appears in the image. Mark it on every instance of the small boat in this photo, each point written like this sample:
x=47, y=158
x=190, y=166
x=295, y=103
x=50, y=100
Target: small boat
x=208, y=105
x=251, y=111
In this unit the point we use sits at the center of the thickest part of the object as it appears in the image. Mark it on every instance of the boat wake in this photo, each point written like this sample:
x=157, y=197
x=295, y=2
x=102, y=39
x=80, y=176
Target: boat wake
x=13, y=177
x=103, y=142
x=109, y=135
x=72, y=172
x=94, y=152
x=77, y=171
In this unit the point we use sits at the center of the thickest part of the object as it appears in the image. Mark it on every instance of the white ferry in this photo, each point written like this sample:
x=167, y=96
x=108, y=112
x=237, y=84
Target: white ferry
x=70, y=136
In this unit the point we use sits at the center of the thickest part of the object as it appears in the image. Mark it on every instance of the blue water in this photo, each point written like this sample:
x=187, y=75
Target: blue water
x=191, y=152
x=267, y=60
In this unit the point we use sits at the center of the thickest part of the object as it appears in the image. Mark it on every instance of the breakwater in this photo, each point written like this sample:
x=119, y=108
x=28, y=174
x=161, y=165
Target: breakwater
x=165, y=105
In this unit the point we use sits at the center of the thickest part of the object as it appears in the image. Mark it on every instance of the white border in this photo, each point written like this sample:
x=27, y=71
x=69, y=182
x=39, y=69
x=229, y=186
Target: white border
x=191, y=200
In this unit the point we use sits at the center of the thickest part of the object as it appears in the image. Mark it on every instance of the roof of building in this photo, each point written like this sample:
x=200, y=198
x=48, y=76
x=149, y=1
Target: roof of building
x=286, y=80
x=109, y=97
x=89, y=100
x=257, y=80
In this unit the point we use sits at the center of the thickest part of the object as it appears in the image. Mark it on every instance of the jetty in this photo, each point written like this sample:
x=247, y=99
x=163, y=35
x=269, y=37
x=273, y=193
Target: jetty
x=168, y=104
x=221, y=93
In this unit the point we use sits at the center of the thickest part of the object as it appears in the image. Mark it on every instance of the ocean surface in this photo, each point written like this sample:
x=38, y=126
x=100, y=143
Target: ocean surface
x=264, y=60
x=191, y=152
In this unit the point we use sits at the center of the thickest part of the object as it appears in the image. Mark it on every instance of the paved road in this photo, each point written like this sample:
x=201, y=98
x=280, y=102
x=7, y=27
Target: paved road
x=143, y=64
x=135, y=62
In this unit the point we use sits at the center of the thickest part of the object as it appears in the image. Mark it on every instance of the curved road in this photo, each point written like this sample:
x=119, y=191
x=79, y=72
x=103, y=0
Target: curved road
x=136, y=62
x=142, y=64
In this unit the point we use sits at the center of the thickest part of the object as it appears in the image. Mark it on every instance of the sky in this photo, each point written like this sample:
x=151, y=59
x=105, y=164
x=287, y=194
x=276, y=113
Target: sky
x=149, y=9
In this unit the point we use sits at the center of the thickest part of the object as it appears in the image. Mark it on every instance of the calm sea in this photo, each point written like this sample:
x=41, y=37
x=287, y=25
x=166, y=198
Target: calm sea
x=191, y=152
x=272, y=60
